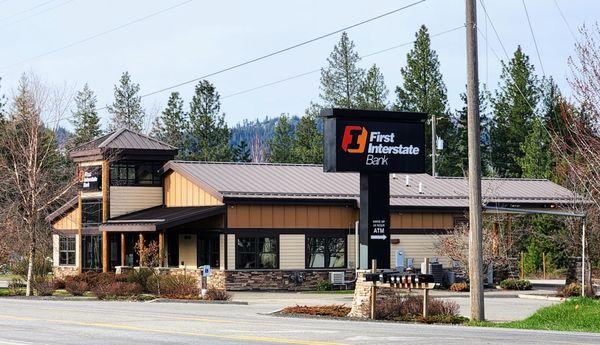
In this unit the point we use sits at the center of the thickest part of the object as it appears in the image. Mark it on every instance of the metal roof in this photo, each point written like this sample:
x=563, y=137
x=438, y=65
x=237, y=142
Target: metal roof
x=285, y=181
x=122, y=139
x=159, y=218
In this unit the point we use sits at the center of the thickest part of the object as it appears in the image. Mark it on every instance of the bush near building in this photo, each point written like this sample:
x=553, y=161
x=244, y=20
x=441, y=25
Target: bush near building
x=333, y=310
x=410, y=308
x=515, y=284
x=459, y=287
x=571, y=290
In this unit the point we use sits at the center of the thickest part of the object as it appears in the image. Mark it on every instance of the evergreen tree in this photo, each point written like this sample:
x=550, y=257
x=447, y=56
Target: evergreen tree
x=341, y=79
x=209, y=134
x=537, y=160
x=513, y=114
x=484, y=127
x=86, y=121
x=126, y=110
x=373, y=92
x=241, y=152
x=308, y=142
x=423, y=90
x=280, y=146
x=2, y=104
x=171, y=125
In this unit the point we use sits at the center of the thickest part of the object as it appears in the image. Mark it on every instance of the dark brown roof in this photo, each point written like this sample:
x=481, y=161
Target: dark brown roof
x=296, y=181
x=159, y=218
x=69, y=205
x=123, y=139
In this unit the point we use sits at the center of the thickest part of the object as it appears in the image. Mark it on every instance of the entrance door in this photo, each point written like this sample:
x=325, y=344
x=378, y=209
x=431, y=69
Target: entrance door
x=208, y=250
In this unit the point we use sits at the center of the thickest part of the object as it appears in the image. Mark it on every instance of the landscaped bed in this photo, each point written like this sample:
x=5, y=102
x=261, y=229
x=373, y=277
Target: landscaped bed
x=579, y=314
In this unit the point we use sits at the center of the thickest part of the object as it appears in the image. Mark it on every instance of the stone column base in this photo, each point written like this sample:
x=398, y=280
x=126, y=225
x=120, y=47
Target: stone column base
x=361, y=304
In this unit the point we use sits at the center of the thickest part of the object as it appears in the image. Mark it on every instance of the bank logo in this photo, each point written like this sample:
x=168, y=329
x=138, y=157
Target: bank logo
x=355, y=139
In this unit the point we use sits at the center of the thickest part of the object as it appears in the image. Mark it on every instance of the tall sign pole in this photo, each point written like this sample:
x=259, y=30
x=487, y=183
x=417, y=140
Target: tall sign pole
x=474, y=137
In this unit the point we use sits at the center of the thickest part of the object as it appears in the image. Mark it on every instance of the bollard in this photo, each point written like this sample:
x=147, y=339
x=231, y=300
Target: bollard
x=373, y=291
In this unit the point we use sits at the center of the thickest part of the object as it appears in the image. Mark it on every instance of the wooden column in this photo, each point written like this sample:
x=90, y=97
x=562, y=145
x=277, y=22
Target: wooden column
x=80, y=233
x=123, y=249
x=141, y=244
x=105, y=257
x=161, y=249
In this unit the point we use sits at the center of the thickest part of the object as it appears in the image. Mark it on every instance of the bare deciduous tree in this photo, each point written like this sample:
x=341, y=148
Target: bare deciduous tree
x=34, y=175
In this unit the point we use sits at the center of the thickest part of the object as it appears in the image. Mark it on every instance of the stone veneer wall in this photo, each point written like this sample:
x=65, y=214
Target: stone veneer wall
x=61, y=272
x=361, y=304
x=277, y=279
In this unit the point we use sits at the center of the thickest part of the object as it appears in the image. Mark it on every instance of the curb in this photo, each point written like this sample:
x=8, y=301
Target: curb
x=543, y=298
x=191, y=301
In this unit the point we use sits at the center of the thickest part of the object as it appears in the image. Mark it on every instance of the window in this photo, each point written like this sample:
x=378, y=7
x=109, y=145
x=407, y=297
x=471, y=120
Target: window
x=325, y=252
x=134, y=173
x=257, y=253
x=66, y=250
x=92, y=245
x=91, y=212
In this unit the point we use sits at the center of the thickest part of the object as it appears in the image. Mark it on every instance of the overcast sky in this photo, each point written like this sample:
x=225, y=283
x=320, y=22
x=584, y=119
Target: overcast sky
x=200, y=37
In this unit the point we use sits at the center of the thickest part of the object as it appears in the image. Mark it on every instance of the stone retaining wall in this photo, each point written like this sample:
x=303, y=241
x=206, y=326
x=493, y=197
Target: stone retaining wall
x=278, y=279
x=61, y=272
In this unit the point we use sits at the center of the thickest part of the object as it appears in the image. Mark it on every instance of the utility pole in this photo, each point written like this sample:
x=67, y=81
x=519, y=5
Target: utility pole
x=475, y=216
x=433, y=144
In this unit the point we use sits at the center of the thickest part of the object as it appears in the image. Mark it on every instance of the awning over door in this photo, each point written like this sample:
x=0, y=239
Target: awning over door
x=160, y=218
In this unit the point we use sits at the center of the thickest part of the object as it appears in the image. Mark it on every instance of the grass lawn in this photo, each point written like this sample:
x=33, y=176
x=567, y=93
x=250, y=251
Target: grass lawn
x=333, y=292
x=576, y=314
x=9, y=276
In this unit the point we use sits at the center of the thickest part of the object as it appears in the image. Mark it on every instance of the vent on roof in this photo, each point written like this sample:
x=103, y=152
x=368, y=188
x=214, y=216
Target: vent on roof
x=407, y=180
x=420, y=187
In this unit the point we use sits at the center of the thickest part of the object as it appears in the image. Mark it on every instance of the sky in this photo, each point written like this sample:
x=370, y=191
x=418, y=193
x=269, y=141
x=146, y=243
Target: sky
x=189, y=39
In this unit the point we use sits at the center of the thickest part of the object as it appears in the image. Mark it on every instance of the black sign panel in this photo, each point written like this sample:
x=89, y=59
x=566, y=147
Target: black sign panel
x=369, y=141
x=91, y=178
x=374, y=225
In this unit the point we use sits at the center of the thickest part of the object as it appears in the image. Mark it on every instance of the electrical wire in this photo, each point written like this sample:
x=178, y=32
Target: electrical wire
x=533, y=36
x=153, y=14
x=318, y=70
x=37, y=13
x=27, y=10
x=562, y=15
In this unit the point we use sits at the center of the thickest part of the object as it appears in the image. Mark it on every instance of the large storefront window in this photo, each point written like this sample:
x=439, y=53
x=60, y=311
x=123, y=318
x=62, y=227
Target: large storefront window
x=66, y=250
x=92, y=249
x=257, y=253
x=91, y=212
x=325, y=252
x=134, y=173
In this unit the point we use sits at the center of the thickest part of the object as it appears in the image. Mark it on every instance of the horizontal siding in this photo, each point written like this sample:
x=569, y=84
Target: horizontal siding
x=187, y=251
x=291, y=252
x=221, y=251
x=230, y=252
x=69, y=221
x=130, y=199
x=421, y=220
x=351, y=251
x=418, y=247
x=291, y=216
x=180, y=192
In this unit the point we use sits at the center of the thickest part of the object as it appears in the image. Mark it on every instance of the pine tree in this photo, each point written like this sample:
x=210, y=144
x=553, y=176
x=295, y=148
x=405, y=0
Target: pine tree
x=423, y=90
x=341, y=79
x=241, y=152
x=280, y=146
x=513, y=105
x=126, y=110
x=171, y=125
x=484, y=127
x=537, y=160
x=86, y=121
x=373, y=92
x=308, y=142
x=209, y=134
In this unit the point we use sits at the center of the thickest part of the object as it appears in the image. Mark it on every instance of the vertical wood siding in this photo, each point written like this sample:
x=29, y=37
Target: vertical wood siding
x=421, y=220
x=130, y=199
x=180, y=192
x=291, y=216
x=69, y=221
x=291, y=252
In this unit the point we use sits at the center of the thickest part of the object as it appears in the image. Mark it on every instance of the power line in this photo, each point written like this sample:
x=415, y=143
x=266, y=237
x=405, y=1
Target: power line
x=533, y=36
x=283, y=50
x=38, y=13
x=27, y=10
x=98, y=34
x=563, y=154
x=562, y=15
x=318, y=70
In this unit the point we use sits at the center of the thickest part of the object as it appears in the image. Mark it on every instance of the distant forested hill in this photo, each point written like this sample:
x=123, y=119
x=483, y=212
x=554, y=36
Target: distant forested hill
x=247, y=130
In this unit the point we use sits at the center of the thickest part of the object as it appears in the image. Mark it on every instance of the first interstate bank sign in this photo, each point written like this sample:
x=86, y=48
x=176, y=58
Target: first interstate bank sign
x=373, y=141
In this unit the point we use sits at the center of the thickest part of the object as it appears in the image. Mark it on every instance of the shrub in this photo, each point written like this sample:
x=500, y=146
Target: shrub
x=117, y=290
x=410, y=308
x=41, y=267
x=571, y=290
x=179, y=286
x=16, y=287
x=141, y=277
x=324, y=285
x=516, y=284
x=459, y=287
x=217, y=295
x=43, y=286
x=321, y=310
x=58, y=283
x=76, y=287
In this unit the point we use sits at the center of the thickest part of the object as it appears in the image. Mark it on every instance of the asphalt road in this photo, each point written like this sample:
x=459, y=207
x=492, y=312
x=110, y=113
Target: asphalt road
x=93, y=322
